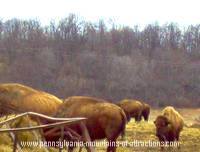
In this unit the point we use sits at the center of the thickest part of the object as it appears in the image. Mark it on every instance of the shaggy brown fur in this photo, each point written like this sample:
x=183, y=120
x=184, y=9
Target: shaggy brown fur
x=17, y=98
x=169, y=125
x=146, y=111
x=105, y=120
x=132, y=108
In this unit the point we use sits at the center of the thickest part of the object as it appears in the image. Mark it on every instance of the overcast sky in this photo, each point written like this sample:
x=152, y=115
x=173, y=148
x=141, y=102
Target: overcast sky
x=124, y=12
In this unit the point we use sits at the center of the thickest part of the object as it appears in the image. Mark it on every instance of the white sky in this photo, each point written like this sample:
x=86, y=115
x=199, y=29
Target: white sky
x=124, y=12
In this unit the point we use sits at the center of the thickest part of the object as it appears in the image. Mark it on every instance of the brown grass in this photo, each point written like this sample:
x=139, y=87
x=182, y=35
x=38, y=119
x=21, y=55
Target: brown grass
x=143, y=131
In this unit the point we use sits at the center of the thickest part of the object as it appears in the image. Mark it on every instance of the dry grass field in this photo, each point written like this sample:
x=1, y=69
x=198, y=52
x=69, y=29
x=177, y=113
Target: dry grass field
x=143, y=131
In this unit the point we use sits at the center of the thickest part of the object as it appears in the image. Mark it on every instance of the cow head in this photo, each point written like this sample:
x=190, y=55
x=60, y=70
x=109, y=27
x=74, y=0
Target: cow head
x=145, y=114
x=162, y=127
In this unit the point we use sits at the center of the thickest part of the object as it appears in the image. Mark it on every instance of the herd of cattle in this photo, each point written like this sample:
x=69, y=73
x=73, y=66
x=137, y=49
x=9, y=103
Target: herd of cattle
x=104, y=119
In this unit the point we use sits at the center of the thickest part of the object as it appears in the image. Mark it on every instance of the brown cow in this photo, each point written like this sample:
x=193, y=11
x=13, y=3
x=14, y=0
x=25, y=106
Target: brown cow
x=146, y=111
x=132, y=108
x=169, y=125
x=105, y=120
x=17, y=98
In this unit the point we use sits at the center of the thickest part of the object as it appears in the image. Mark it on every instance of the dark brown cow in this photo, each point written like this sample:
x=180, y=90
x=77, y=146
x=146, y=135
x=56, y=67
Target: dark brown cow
x=132, y=108
x=104, y=120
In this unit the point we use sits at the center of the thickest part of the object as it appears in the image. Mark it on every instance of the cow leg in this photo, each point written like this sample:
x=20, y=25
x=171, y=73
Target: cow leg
x=112, y=132
x=162, y=139
x=80, y=149
x=70, y=149
x=112, y=146
x=128, y=117
x=137, y=118
x=177, y=139
x=75, y=135
x=111, y=141
x=147, y=118
x=177, y=135
x=51, y=131
x=123, y=134
x=86, y=136
x=72, y=135
x=55, y=132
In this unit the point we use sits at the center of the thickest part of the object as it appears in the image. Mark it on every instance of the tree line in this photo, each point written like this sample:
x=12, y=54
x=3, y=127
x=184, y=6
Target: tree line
x=158, y=64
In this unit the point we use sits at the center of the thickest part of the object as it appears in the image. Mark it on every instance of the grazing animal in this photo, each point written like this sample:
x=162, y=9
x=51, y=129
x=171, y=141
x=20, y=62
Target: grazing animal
x=17, y=98
x=132, y=108
x=104, y=120
x=169, y=125
x=146, y=111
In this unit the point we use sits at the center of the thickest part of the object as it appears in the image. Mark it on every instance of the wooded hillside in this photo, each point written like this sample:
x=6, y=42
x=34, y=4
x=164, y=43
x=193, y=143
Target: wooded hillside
x=159, y=64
